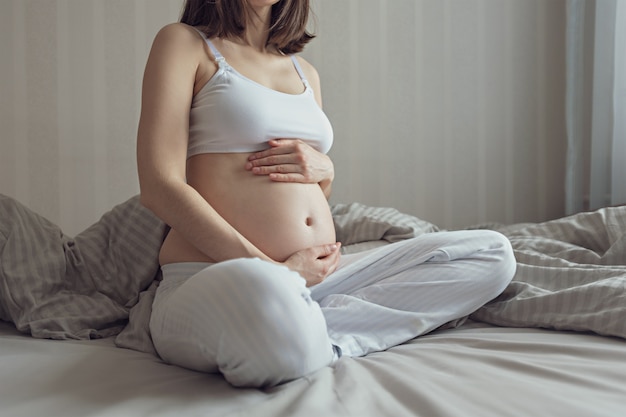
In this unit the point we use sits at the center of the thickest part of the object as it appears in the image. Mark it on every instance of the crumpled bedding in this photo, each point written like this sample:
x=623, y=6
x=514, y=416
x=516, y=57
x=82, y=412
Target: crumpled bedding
x=571, y=272
x=57, y=287
x=571, y=275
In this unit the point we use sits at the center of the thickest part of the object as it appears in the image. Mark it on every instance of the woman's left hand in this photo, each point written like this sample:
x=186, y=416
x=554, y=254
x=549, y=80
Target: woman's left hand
x=292, y=160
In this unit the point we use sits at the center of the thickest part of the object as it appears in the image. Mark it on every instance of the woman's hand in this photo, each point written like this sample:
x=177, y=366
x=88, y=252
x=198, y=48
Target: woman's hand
x=292, y=160
x=316, y=263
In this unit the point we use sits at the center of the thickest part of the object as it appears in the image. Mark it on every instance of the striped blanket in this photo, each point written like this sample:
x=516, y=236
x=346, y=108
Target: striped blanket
x=571, y=275
x=57, y=287
x=571, y=272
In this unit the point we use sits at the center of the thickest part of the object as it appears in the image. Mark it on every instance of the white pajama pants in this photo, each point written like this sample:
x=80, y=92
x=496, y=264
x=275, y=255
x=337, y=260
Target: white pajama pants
x=259, y=325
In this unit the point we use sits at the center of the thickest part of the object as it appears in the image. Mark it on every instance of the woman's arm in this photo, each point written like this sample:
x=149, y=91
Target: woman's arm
x=168, y=88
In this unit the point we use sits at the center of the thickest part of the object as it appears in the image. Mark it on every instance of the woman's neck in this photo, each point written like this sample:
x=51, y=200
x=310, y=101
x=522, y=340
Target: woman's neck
x=258, y=28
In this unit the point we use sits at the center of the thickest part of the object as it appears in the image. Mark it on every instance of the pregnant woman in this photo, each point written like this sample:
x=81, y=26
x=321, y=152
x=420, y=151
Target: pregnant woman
x=231, y=153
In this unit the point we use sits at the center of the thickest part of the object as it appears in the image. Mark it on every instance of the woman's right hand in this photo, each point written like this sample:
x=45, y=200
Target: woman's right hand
x=316, y=263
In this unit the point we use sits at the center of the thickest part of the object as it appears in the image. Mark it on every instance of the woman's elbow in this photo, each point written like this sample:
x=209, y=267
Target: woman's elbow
x=149, y=195
x=145, y=200
x=157, y=194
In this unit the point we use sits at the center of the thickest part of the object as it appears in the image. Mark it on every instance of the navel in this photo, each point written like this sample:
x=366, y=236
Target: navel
x=309, y=221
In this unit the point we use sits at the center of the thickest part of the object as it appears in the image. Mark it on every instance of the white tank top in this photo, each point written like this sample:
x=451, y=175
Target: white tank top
x=232, y=114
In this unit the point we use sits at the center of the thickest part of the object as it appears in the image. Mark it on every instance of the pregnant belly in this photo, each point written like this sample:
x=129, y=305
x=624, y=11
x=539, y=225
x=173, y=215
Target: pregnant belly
x=278, y=218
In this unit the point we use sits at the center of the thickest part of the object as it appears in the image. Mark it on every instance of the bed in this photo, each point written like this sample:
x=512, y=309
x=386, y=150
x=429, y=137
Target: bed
x=74, y=339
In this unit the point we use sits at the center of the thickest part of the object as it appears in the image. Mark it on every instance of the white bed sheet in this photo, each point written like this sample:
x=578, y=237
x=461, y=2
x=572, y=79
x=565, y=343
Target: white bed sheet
x=475, y=370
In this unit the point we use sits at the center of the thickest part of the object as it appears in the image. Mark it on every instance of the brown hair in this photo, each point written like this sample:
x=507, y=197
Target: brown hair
x=224, y=18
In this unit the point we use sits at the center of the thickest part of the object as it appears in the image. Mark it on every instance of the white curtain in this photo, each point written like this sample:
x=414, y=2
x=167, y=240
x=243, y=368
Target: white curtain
x=596, y=104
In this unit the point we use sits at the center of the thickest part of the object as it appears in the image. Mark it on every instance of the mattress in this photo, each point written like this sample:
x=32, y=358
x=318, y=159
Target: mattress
x=474, y=370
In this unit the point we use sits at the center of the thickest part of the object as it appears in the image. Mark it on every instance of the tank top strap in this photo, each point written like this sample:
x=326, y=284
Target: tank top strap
x=296, y=64
x=219, y=58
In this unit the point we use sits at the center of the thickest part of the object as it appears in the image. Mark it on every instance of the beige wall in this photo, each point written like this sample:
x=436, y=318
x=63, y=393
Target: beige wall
x=70, y=80
x=451, y=110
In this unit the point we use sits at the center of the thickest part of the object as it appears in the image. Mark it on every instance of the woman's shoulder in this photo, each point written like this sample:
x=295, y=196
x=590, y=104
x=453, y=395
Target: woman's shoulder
x=178, y=32
x=177, y=41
